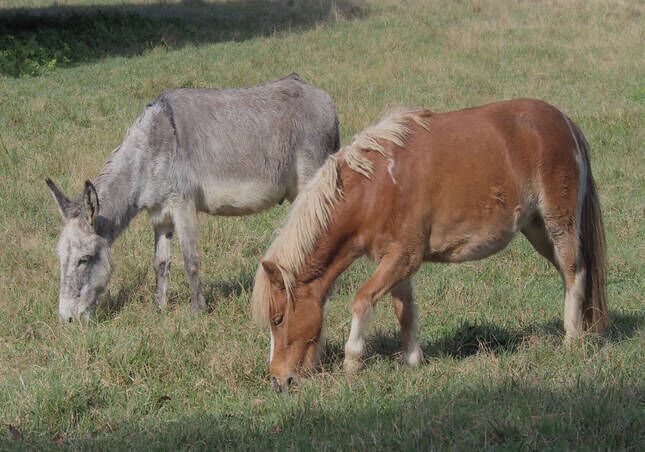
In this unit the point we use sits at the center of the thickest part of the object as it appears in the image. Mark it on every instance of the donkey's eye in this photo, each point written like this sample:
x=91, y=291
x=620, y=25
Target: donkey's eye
x=278, y=320
x=83, y=260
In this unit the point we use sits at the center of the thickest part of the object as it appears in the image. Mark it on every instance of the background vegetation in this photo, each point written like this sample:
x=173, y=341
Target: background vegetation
x=74, y=76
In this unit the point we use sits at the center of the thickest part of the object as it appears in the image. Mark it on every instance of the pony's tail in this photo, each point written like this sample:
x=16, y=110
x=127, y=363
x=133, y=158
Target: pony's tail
x=595, y=317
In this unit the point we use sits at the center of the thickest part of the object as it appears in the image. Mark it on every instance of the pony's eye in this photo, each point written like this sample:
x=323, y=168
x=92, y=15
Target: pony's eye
x=83, y=260
x=278, y=320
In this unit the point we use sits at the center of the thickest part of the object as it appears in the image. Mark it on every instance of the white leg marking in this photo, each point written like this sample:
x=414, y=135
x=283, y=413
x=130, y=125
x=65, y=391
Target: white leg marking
x=356, y=343
x=573, y=307
x=414, y=354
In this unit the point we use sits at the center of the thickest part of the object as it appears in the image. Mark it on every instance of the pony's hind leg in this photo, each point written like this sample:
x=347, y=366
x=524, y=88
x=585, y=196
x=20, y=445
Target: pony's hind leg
x=403, y=303
x=187, y=229
x=163, y=256
x=392, y=269
x=557, y=242
x=537, y=235
x=573, y=275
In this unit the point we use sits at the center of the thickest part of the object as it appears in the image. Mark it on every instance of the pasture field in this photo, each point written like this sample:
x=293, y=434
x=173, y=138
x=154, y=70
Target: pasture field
x=496, y=373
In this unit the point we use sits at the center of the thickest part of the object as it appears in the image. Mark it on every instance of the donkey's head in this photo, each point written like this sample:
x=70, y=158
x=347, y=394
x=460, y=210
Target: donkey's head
x=85, y=260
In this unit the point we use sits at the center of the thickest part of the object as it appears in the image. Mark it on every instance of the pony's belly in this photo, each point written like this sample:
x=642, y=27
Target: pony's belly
x=467, y=246
x=238, y=198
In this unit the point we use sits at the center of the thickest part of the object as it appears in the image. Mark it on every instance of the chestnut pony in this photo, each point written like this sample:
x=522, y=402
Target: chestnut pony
x=439, y=187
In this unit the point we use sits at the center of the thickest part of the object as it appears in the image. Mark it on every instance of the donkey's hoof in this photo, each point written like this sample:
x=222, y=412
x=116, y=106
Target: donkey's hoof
x=351, y=365
x=570, y=340
x=160, y=305
x=199, y=307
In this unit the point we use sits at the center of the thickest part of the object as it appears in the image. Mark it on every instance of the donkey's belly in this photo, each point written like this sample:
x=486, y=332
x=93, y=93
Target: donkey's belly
x=236, y=198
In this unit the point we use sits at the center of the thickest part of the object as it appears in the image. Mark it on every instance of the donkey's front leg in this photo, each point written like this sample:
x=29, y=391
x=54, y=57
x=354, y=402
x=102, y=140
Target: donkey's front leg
x=163, y=256
x=187, y=229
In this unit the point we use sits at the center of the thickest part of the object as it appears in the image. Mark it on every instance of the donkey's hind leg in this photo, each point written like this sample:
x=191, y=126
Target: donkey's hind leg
x=403, y=302
x=187, y=229
x=163, y=256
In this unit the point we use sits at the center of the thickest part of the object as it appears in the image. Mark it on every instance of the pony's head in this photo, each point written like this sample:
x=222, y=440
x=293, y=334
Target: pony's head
x=294, y=313
x=293, y=307
x=85, y=260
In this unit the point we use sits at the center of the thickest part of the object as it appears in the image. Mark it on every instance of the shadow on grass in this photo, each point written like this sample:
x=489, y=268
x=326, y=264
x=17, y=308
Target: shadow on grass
x=624, y=326
x=214, y=292
x=471, y=338
x=511, y=415
x=34, y=41
x=219, y=290
x=112, y=304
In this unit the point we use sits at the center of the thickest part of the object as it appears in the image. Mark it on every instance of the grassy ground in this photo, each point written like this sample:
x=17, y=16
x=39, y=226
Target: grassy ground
x=496, y=374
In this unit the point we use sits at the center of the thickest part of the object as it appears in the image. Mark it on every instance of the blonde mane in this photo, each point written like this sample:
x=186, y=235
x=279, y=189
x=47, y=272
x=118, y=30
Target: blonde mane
x=312, y=209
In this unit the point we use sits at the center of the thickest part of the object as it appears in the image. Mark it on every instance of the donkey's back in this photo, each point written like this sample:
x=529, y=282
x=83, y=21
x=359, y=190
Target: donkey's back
x=225, y=152
x=239, y=151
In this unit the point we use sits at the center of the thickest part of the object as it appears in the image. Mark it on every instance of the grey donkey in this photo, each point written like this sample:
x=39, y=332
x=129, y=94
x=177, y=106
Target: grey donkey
x=224, y=152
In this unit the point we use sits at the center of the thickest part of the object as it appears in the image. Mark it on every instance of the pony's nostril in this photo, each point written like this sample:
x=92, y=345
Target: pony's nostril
x=70, y=320
x=290, y=381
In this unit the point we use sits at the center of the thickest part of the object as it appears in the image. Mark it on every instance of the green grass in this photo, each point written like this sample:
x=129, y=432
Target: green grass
x=496, y=374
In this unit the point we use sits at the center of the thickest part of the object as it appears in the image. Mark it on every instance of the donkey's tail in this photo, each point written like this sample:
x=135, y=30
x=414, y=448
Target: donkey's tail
x=592, y=247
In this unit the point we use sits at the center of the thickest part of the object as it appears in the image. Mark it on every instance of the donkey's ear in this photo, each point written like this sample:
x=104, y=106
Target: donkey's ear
x=90, y=203
x=65, y=206
x=274, y=273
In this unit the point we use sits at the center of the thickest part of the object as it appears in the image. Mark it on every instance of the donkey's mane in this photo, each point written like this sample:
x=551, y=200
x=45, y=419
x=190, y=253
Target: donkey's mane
x=312, y=209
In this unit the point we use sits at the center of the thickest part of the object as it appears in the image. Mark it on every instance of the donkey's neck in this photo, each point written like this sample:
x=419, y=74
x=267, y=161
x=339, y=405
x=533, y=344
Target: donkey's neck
x=118, y=188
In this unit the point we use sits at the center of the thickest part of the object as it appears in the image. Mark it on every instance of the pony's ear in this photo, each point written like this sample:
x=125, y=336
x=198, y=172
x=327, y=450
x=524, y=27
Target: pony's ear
x=90, y=204
x=65, y=206
x=274, y=273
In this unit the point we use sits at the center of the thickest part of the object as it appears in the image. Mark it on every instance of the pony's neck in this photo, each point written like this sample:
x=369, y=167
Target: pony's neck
x=334, y=253
x=118, y=191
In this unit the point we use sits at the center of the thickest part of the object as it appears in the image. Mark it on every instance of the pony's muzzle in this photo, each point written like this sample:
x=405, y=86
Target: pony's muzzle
x=280, y=385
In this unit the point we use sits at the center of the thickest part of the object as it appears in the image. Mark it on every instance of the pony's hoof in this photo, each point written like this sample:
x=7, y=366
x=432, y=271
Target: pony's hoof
x=415, y=357
x=351, y=365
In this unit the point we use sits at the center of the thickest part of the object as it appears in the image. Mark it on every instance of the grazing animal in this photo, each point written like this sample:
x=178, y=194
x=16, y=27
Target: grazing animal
x=224, y=152
x=438, y=187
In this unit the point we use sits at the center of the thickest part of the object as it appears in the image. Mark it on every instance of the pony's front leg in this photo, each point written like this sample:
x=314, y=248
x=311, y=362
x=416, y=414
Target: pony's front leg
x=403, y=303
x=391, y=270
x=187, y=229
x=163, y=256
